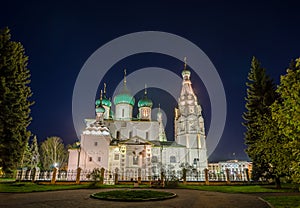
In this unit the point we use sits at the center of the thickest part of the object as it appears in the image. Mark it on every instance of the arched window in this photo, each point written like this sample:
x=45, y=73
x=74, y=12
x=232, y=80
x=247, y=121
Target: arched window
x=172, y=159
x=154, y=159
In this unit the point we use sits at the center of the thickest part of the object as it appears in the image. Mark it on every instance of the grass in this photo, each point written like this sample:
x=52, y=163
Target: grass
x=133, y=195
x=237, y=189
x=16, y=187
x=26, y=187
x=277, y=201
x=284, y=201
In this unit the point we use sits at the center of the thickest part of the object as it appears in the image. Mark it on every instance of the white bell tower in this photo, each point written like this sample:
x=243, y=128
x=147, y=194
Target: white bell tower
x=189, y=124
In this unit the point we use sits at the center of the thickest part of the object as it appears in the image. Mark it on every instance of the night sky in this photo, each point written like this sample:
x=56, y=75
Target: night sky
x=60, y=36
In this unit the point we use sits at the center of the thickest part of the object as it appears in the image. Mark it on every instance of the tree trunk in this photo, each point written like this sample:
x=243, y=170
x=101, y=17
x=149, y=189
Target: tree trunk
x=277, y=183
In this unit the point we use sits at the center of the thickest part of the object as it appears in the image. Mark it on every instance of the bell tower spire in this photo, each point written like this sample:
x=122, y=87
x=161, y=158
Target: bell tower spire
x=189, y=123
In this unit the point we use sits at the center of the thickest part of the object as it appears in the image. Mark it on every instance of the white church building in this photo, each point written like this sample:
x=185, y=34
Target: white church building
x=132, y=146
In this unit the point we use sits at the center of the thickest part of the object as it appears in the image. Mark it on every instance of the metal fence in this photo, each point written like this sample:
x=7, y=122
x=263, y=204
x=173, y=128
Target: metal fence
x=109, y=177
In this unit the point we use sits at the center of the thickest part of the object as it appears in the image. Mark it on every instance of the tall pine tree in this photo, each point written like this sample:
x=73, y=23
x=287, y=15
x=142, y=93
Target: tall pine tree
x=260, y=95
x=35, y=160
x=14, y=102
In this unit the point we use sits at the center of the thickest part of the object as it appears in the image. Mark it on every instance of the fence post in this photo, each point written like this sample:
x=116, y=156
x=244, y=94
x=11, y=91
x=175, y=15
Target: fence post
x=206, y=176
x=102, y=176
x=227, y=176
x=78, y=175
x=139, y=176
x=54, y=176
x=116, y=176
x=184, y=175
x=162, y=177
x=33, y=174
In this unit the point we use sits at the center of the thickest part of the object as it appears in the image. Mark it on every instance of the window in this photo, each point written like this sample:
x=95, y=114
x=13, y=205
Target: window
x=196, y=160
x=118, y=135
x=122, y=113
x=147, y=135
x=135, y=160
x=116, y=157
x=172, y=159
x=99, y=159
x=154, y=159
x=96, y=143
x=130, y=134
x=90, y=159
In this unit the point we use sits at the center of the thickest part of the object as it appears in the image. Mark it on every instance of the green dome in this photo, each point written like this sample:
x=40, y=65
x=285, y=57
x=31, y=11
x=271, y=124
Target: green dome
x=124, y=98
x=98, y=102
x=145, y=102
x=106, y=102
x=100, y=109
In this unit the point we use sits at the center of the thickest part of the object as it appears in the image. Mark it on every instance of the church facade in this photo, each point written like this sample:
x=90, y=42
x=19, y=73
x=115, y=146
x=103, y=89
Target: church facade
x=137, y=146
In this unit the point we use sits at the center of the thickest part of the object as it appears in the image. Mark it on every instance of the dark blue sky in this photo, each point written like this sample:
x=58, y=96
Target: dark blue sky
x=60, y=36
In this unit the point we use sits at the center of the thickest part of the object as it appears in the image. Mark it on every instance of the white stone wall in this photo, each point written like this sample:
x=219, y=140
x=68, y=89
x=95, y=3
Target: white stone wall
x=123, y=112
x=73, y=159
x=163, y=155
x=135, y=128
x=94, y=151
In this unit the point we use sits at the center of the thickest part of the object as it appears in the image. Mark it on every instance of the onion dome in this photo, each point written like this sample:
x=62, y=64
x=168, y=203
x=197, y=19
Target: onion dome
x=124, y=96
x=98, y=102
x=145, y=101
x=185, y=73
x=99, y=106
x=100, y=109
x=105, y=101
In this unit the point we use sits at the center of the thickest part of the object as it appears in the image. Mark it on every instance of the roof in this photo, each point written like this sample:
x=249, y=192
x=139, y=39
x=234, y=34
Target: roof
x=158, y=143
x=124, y=98
x=145, y=102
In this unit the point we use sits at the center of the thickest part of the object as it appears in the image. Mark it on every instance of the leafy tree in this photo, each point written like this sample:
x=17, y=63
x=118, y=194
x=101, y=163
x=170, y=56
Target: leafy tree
x=260, y=95
x=286, y=113
x=14, y=102
x=53, y=153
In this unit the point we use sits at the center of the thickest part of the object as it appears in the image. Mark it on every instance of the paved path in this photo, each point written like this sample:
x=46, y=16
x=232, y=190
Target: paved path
x=81, y=198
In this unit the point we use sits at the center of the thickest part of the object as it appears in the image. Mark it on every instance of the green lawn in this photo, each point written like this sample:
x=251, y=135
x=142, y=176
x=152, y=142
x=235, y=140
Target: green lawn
x=32, y=187
x=26, y=187
x=284, y=201
x=133, y=195
x=237, y=189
